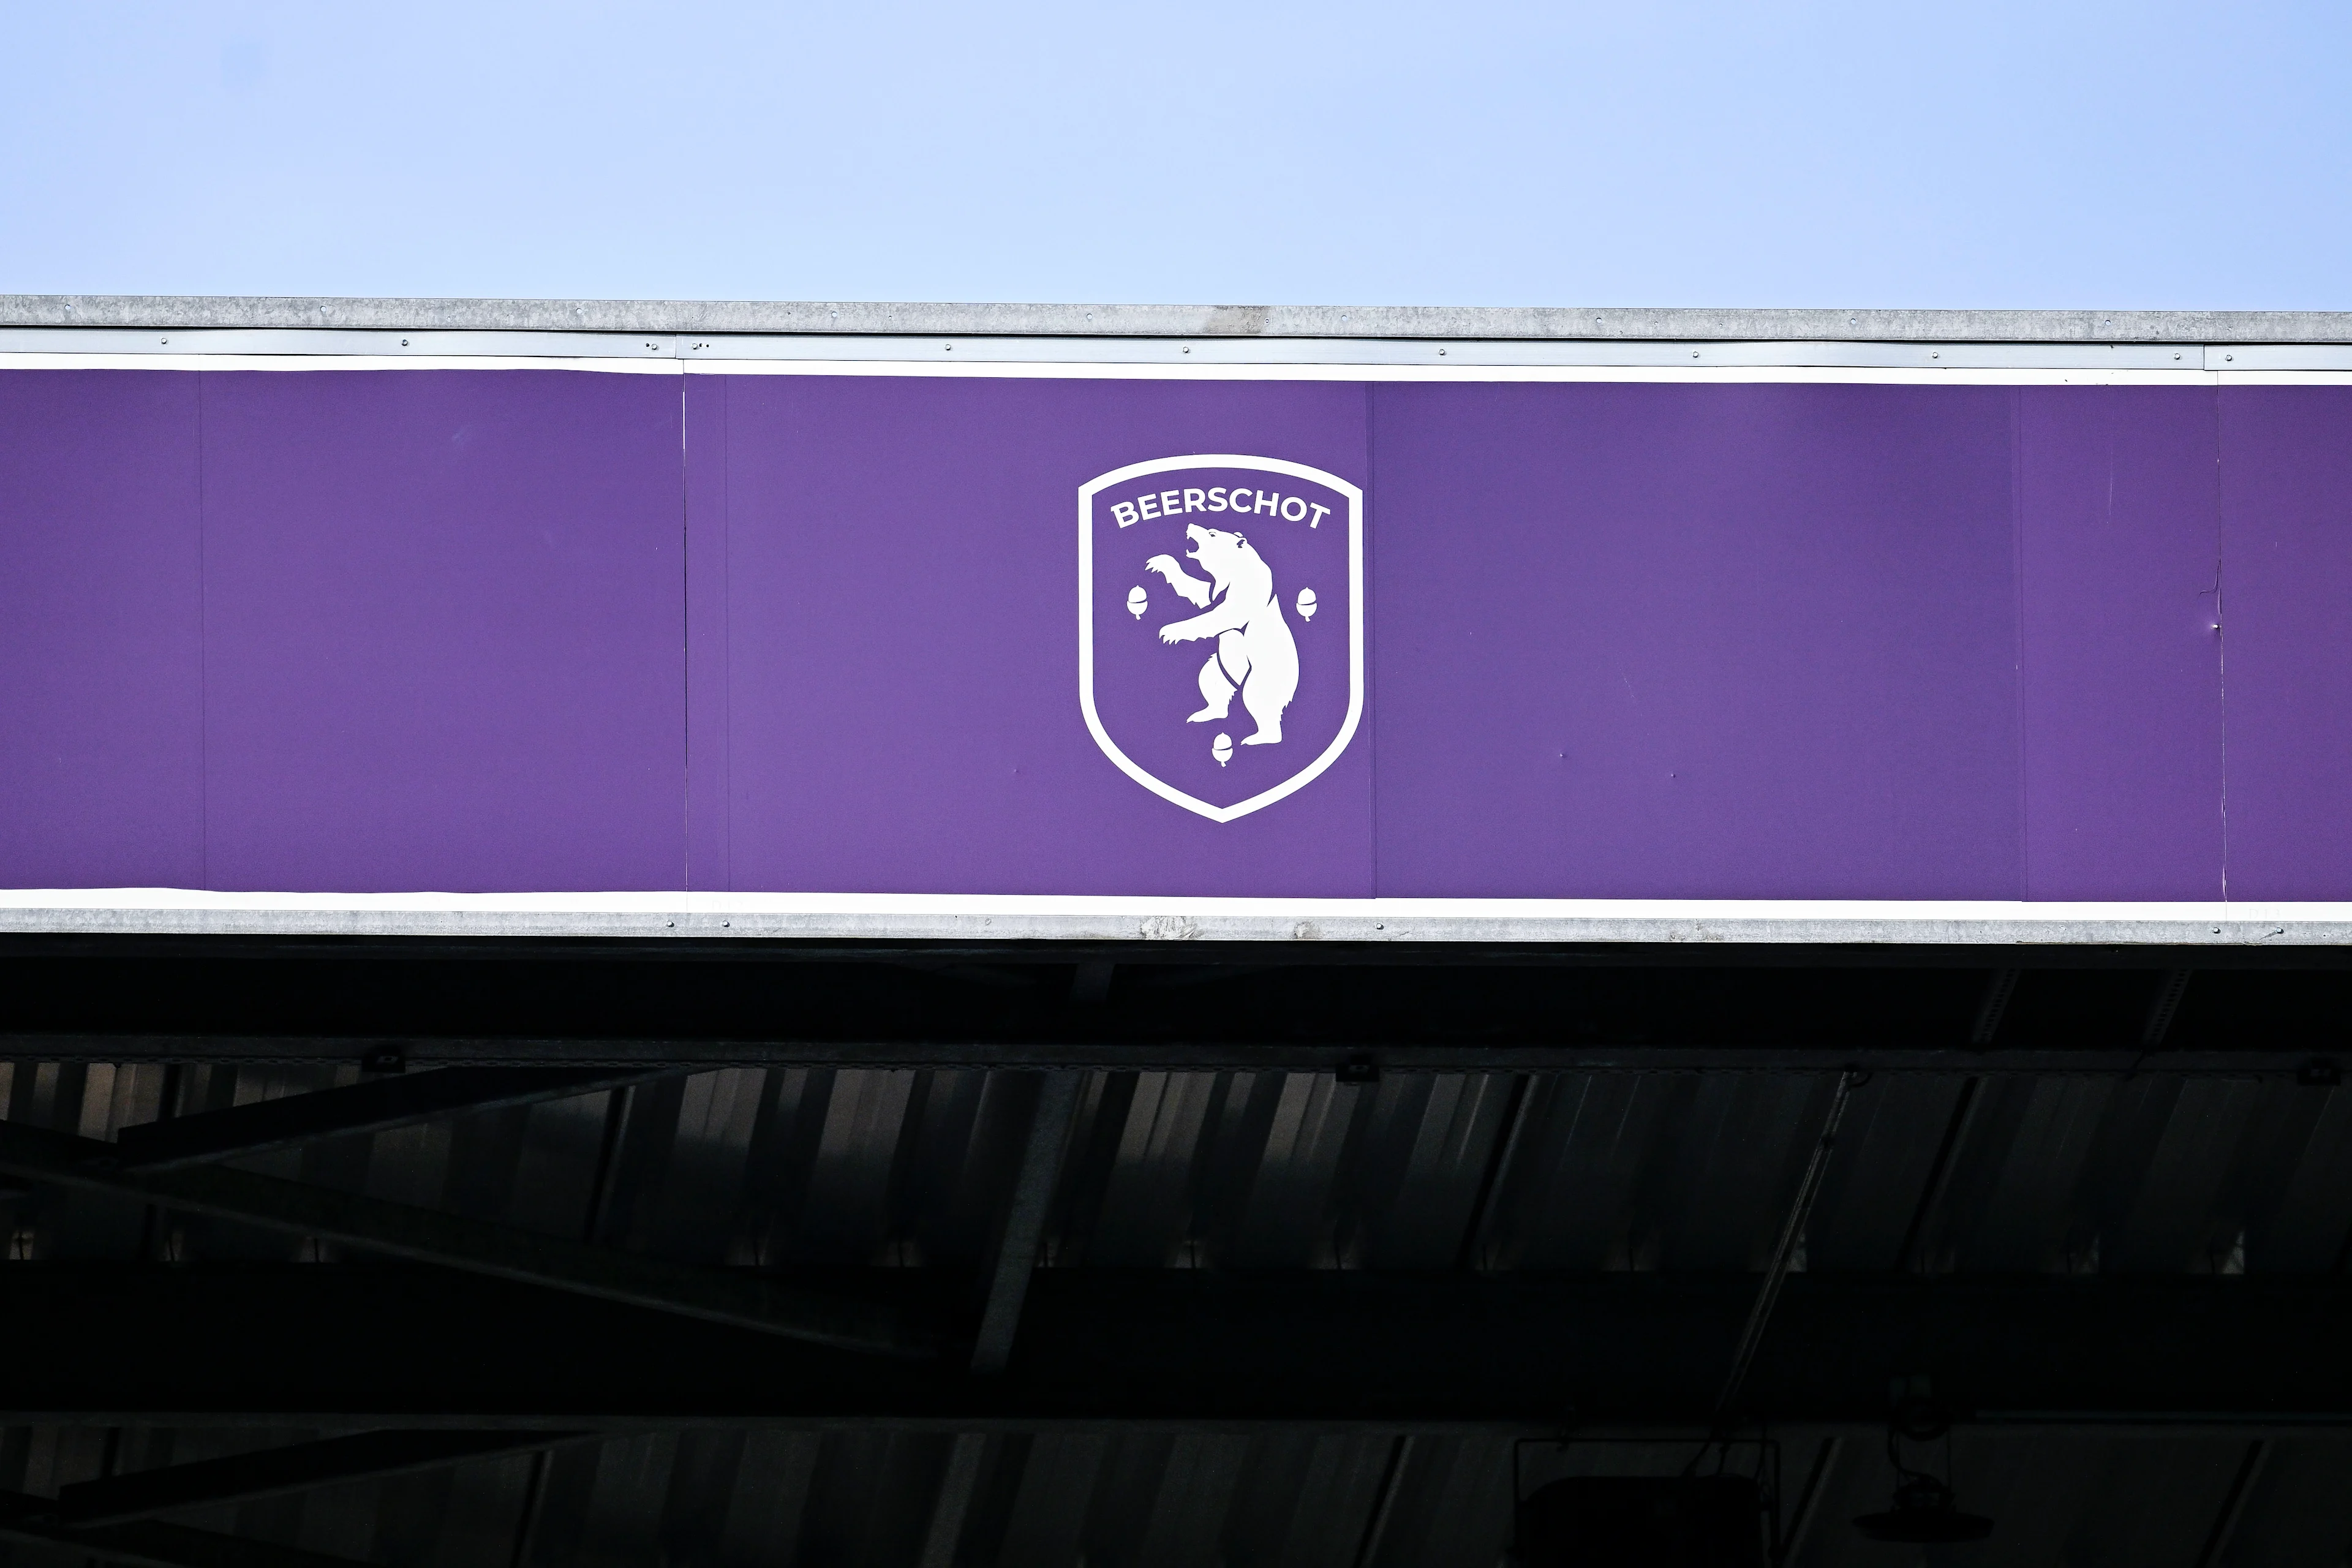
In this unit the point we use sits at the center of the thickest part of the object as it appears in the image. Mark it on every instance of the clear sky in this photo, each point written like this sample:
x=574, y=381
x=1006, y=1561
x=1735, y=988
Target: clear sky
x=1992, y=154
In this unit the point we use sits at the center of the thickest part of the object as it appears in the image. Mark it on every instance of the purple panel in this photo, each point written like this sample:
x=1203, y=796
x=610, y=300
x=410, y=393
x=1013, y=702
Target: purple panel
x=2120, y=551
x=444, y=630
x=1730, y=641
x=707, y=635
x=2286, y=603
x=101, y=698
x=903, y=668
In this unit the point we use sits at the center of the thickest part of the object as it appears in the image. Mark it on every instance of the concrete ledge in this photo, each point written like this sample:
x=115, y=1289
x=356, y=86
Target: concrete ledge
x=1599, y=323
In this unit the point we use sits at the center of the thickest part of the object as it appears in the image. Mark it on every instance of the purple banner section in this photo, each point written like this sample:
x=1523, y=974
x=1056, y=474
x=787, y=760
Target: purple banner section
x=2286, y=600
x=1696, y=641
x=2120, y=566
x=544, y=630
x=102, y=640
x=443, y=619
x=901, y=656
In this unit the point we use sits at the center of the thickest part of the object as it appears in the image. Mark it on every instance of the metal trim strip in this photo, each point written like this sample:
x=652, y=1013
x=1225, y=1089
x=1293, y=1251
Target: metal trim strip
x=148, y=911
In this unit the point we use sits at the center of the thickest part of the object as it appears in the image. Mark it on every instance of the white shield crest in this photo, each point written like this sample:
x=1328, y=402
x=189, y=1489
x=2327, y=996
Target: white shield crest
x=1221, y=626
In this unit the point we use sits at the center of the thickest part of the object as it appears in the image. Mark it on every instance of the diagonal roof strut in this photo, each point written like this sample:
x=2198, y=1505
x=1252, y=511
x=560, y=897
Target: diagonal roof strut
x=743, y=1298
x=272, y=1472
x=150, y=1544
x=370, y=1107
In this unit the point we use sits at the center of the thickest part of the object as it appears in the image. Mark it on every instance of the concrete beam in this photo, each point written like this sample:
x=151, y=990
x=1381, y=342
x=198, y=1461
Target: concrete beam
x=1597, y=323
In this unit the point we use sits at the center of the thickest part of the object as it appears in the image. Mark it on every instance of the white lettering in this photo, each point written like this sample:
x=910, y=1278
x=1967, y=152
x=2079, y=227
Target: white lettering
x=1125, y=511
x=1290, y=516
x=1149, y=502
x=1319, y=511
x=1193, y=501
x=1267, y=501
x=1217, y=498
x=1170, y=503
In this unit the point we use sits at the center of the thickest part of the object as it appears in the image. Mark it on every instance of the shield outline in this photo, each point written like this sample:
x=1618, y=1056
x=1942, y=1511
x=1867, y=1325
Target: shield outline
x=1126, y=764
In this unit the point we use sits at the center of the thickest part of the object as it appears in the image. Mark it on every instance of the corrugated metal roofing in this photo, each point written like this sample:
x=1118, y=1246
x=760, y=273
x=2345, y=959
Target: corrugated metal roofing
x=748, y=1500
x=1557, y=1173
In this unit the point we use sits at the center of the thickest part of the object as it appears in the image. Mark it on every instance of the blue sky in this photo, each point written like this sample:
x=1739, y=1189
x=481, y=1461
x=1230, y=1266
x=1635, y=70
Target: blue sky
x=1988, y=154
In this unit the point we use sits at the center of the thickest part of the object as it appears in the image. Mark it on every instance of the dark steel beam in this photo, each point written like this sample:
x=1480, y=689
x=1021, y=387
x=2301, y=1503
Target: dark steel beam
x=738, y=1297
x=2164, y=1005
x=1061, y=955
x=625, y=1057
x=1776, y=1271
x=374, y=1106
x=953, y=1504
x=2000, y=986
x=354, y=1345
x=272, y=1472
x=1024, y=1225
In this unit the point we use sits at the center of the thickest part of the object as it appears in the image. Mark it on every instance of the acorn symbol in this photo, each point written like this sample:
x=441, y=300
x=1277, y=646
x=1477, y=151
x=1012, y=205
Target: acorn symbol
x=1137, y=601
x=1222, y=748
x=1306, y=603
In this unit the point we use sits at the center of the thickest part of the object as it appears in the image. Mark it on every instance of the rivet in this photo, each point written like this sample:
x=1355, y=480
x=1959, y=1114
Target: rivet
x=1934, y=353
x=1694, y=353
x=404, y=343
x=166, y=340
x=2228, y=356
x=1188, y=348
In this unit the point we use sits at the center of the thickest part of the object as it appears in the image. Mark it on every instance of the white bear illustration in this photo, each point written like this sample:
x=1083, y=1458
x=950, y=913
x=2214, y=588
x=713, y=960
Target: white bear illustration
x=1256, y=653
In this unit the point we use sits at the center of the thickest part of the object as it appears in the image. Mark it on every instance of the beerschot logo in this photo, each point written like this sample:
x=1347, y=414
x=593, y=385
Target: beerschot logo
x=1221, y=626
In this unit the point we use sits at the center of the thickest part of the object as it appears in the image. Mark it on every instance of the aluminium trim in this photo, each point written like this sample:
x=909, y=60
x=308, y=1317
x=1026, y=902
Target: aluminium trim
x=150, y=911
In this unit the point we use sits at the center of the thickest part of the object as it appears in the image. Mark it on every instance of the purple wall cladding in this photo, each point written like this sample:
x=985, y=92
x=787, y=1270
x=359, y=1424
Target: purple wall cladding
x=549, y=630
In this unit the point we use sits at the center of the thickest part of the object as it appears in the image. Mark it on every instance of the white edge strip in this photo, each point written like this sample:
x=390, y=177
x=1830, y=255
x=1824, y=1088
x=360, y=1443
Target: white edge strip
x=308, y=348
x=1202, y=358
x=165, y=911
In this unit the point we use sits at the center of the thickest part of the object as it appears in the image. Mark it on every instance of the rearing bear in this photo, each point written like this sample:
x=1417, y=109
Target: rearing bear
x=1256, y=653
